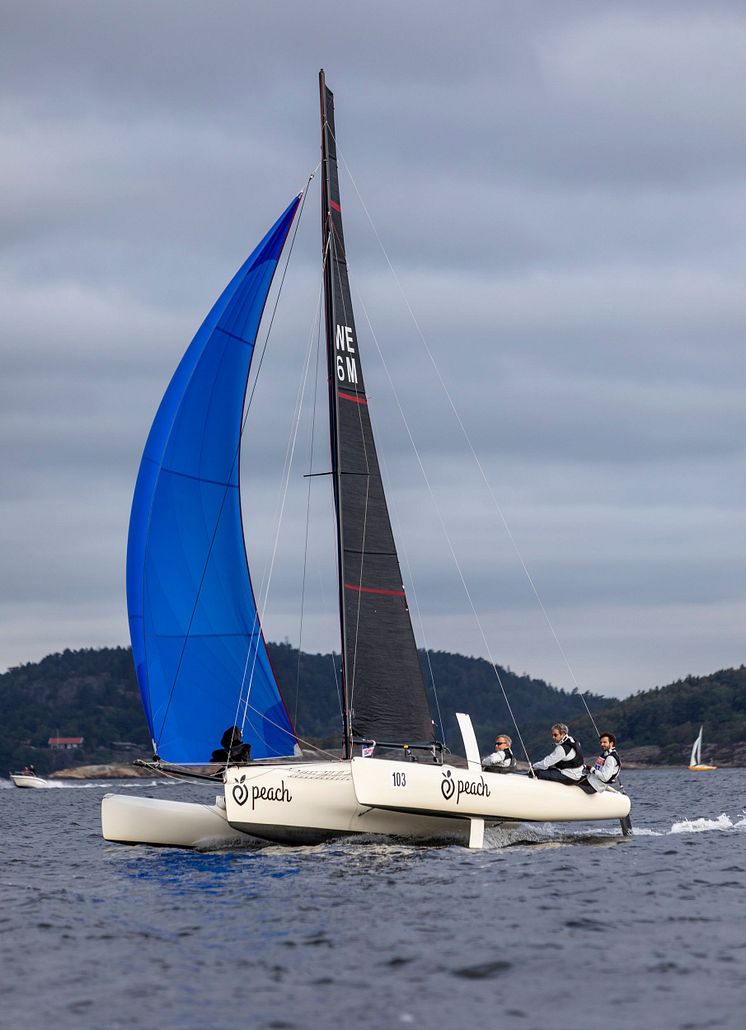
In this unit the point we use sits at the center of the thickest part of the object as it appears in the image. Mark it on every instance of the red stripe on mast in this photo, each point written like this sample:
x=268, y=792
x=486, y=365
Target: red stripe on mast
x=373, y=590
x=352, y=397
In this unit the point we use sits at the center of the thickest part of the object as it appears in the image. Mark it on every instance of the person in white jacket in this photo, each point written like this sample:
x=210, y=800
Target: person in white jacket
x=565, y=763
x=501, y=760
x=606, y=768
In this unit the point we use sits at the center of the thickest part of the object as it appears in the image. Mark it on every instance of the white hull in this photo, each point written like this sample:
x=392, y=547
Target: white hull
x=317, y=814
x=471, y=793
x=23, y=780
x=306, y=803
x=315, y=801
x=180, y=824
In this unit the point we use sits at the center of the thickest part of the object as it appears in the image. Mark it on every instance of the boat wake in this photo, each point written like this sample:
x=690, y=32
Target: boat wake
x=723, y=822
x=134, y=784
x=702, y=825
x=546, y=835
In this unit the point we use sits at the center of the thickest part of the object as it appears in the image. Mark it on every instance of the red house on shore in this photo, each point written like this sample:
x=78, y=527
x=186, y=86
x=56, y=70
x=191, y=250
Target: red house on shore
x=65, y=743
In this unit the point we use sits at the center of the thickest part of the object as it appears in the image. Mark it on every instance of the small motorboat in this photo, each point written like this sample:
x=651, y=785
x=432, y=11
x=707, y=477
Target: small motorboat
x=28, y=779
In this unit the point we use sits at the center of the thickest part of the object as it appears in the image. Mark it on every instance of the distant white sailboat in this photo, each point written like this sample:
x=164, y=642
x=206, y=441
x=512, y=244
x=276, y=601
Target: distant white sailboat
x=695, y=760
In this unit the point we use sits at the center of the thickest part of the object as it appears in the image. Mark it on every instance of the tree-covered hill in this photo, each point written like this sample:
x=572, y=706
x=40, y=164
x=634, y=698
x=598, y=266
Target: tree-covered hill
x=461, y=684
x=92, y=693
x=470, y=685
x=665, y=721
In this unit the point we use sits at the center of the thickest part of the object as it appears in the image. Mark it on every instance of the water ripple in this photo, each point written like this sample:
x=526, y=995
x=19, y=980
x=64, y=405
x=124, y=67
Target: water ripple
x=547, y=919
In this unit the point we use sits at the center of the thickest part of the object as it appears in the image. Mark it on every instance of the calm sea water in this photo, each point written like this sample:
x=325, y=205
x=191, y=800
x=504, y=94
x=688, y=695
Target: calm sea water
x=569, y=928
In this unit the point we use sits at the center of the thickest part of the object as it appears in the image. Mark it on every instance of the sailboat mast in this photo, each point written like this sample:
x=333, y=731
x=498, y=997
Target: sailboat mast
x=329, y=234
x=383, y=692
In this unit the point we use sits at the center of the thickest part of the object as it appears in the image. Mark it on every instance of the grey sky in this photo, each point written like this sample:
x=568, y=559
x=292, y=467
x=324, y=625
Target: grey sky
x=560, y=189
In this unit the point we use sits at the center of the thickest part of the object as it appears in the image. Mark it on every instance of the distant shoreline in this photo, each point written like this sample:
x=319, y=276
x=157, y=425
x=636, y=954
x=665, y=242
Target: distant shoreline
x=131, y=772
x=105, y=772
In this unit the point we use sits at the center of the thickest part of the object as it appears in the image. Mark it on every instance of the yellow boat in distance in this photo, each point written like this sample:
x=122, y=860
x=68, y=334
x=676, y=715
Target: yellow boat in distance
x=695, y=760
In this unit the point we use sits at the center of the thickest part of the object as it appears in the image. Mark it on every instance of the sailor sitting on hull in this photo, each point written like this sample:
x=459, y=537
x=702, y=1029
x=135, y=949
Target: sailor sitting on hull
x=501, y=760
x=565, y=763
x=605, y=770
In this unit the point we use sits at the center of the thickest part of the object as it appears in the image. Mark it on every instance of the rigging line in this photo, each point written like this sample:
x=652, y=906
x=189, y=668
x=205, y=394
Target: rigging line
x=339, y=675
x=332, y=654
x=474, y=454
x=341, y=681
x=277, y=301
x=269, y=566
x=227, y=487
x=256, y=620
x=308, y=507
x=243, y=427
x=335, y=243
x=447, y=536
x=301, y=740
x=337, y=672
x=367, y=485
x=403, y=549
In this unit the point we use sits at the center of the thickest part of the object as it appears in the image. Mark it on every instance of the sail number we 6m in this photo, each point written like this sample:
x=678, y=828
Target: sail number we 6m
x=346, y=363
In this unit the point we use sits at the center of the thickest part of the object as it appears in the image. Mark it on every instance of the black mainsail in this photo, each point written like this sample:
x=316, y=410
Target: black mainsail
x=384, y=697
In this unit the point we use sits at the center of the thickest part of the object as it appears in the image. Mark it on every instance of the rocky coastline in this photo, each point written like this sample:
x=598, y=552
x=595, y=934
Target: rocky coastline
x=122, y=771
x=724, y=756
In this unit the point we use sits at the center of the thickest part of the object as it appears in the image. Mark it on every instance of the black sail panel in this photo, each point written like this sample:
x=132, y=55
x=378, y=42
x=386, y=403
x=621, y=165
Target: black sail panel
x=384, y=692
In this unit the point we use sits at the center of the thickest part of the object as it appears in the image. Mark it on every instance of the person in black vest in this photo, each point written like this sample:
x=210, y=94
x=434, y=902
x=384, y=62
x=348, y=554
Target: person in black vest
x=606, y=768
x=501, y=760
x=565, y=763
x=232, y=748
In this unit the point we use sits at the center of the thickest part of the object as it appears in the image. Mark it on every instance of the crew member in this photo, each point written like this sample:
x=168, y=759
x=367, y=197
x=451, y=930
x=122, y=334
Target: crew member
x=565, y=763
x=232, y=748
x=606, y=768
x=502, y=759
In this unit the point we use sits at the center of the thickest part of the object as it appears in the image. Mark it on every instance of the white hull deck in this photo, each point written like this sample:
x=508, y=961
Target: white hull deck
x=302, y=803
x=316, y=801
x=24, y=780
x=470, y=793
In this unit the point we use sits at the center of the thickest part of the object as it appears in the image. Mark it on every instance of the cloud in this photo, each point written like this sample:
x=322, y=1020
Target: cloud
x=559, y=191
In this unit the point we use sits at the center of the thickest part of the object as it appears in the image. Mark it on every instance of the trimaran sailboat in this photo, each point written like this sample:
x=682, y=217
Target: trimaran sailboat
x=196, y=638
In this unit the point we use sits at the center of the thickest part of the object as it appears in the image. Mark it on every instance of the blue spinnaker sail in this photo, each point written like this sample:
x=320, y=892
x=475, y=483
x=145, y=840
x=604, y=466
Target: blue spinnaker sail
x=196, y=638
